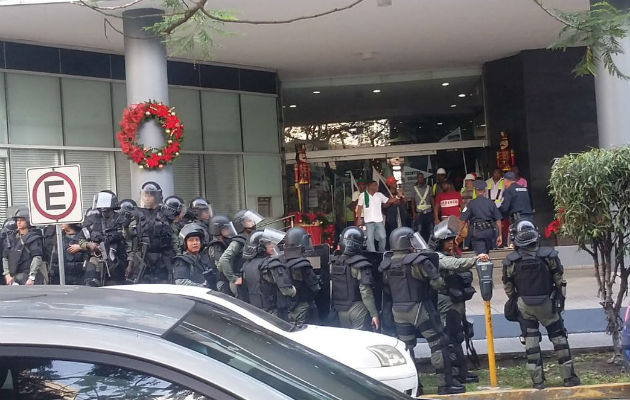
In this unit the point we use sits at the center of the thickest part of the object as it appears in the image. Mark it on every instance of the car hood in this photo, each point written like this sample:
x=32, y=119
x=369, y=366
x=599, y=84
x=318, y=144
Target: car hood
x=344, y=345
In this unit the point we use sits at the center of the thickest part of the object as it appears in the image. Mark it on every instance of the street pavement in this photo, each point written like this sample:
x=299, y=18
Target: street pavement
x=584, y=318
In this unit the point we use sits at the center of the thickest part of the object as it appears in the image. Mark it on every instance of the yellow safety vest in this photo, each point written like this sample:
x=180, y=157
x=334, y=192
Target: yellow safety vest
x=498, y=199
x=422, y=206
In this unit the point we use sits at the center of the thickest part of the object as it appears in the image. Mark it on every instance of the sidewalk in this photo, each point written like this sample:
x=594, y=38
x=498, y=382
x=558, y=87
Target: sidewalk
x=584, y=319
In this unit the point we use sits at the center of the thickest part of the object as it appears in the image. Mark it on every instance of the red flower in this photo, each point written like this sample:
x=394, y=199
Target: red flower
x=552, y=228
x=171, y=122
x=136, y=154
x=153, y=160
x=158, y=109
x=311, y=216
x=166, y=157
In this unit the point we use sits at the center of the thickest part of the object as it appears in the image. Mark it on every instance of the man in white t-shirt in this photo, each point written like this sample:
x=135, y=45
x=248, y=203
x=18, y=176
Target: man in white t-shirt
x=369, y=207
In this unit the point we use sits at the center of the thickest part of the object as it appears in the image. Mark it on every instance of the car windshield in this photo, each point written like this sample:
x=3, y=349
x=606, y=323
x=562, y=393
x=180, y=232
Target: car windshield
x=288, y=367
x=272, y=319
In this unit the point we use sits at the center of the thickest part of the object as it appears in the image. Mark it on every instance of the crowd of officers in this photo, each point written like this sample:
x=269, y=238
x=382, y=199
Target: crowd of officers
x=163, y=241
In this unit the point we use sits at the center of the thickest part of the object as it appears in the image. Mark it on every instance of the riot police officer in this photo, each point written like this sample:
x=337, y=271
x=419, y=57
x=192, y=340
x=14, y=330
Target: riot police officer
x=23, y=261
x=102, y=237
x=352, y=281
x=516, y=202
x=481, y=214
x=173, y=211
x=534, y=275
x=74, y=258
x=8, y=229
x=413, y=278
x=266, y=279
x=453, y=295
x=221, y=233
x=231, y=261
x=153, y=231
x=190, y=268
x=302, y=309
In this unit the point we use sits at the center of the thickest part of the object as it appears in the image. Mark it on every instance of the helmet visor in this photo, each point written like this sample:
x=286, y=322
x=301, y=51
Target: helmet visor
x=417, y=242
x=250, y=219
x=228, y=230
x=103, y=200
x=150, y=199
x=273, y=235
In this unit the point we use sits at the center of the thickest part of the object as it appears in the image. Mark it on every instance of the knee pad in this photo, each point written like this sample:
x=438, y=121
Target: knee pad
x=556, y=329
x=454, y=327
x=407, y=334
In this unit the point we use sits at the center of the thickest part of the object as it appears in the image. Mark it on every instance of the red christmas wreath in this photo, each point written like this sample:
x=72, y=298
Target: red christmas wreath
x=150, y=157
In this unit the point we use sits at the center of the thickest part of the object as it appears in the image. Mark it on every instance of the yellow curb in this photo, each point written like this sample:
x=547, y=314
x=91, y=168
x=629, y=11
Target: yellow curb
x=603, y=391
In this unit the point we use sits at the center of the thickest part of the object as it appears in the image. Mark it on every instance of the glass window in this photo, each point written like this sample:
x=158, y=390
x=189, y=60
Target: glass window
x=186, y=103
x=46, y=379
x=119, y=102
x=263, y=175
x=4, y=198
x=3, y=112
x=187, y=176
x=96, y=172
x=123, y=176
x=87, y=119
x=286, y=366
x=34, y=108
x=224, y=182
x=221, y=121
x=20, y=161
x=260, y=123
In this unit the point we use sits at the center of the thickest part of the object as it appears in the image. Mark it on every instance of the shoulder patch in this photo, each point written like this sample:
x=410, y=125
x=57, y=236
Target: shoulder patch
x=512, y=257
x=546, y=252
x=413, y=258
x=359, y=262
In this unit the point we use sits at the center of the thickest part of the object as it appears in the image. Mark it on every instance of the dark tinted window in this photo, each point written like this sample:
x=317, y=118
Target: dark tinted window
x=282, y=364
x=46, y=379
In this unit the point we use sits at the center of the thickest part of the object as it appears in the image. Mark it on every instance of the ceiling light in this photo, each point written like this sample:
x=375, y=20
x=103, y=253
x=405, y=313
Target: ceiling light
x=440, y=123
x=453, y=105
x=292, y=106
x=482, y=125
x=376, y=91
x=316, y=92
x=445, y=84
x=461, y=95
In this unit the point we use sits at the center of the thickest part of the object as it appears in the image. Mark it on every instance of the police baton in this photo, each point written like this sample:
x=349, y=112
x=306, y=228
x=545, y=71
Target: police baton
x=484, y=271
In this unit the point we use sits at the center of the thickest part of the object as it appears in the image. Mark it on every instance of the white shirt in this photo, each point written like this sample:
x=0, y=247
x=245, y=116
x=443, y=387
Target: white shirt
x=373, y=212
x=494, y=190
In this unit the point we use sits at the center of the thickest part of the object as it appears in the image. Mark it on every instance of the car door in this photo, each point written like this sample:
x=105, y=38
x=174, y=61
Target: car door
x=36, y=373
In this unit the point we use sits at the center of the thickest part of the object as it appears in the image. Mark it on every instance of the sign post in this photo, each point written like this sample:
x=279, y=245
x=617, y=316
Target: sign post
x=54, y=197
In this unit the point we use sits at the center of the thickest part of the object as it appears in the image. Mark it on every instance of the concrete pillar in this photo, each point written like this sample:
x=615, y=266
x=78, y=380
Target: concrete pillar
x=613, y=96
x=146, y=79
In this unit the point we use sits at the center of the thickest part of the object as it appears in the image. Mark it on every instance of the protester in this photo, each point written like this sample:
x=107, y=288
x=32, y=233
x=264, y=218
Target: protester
x=423, y=208
x=396, y=212
x=448, y=202
x=369, y=208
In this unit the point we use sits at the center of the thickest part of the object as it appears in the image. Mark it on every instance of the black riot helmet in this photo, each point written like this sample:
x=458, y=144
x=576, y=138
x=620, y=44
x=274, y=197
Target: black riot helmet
x=201, y=209
x=446, y=229
x=351, y=239
x=172, y=207
x=150, y=195
x=400, y=239
x=190, y=230
x=9, y=225
x=246, y=219
x=105, y=200
x=127, y=206
x=526, y=234
x=22, y=213
x=220, y=225
x=297, y=238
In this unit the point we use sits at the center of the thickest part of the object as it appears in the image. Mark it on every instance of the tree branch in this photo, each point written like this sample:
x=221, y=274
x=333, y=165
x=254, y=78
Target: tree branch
x=285, y=21
x=553, y=15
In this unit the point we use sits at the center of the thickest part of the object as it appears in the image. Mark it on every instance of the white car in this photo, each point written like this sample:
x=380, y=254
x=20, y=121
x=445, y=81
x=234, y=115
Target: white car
x=381, y=357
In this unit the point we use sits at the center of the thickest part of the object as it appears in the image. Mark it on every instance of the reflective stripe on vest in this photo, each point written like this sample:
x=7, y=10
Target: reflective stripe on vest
x=423, y=206
x=498, y=199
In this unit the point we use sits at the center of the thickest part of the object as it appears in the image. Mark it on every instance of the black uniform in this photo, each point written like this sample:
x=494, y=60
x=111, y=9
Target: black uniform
x=156, y=232
x=480, y=214
x=193, y=270
x=74, y=264
x=23, y=256
x=516, y=203
x=109, y=262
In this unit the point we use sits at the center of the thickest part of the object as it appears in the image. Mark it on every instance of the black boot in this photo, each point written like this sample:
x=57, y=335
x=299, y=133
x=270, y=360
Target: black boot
x=539, y=386
x=452, y=389
x=572, y=381
x=469, y=378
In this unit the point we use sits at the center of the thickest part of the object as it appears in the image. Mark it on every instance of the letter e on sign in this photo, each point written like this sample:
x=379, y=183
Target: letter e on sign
x=54, y=194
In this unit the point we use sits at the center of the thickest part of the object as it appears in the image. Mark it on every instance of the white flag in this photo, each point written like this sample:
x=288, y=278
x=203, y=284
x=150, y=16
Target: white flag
x=379, y=178
x=353, y=183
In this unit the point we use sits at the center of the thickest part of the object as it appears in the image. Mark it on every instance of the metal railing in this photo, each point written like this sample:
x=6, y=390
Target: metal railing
x=275, y=221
